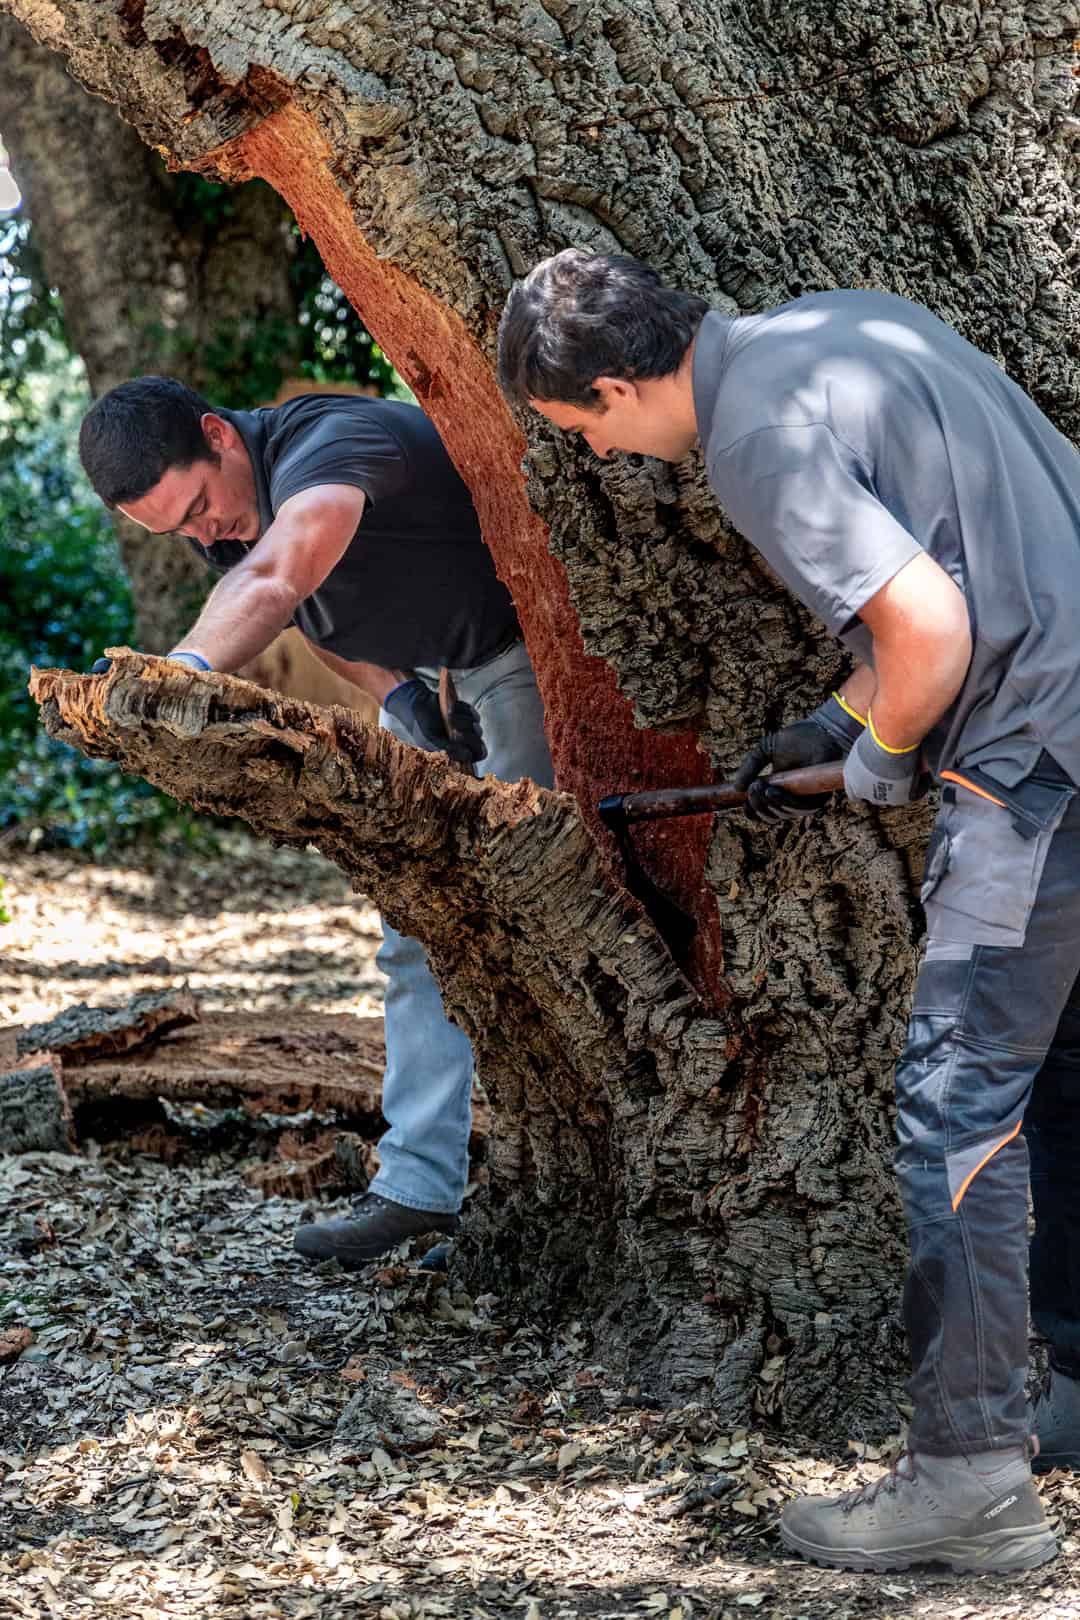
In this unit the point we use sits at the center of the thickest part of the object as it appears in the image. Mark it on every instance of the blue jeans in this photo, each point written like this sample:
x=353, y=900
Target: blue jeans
x=993, y=1045
x=424, y=1155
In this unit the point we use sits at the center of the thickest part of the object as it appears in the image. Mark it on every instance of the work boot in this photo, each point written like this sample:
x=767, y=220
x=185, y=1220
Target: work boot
x=977, y=1513
x=1057, y=1423
x=375, y=1226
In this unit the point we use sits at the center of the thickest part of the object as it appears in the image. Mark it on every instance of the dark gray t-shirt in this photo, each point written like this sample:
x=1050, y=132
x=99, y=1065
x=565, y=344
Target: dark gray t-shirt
x=417, y=585
x=848, y=431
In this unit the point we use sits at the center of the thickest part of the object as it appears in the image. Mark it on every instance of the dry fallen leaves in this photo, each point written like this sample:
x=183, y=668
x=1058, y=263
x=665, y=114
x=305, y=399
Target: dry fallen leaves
x=254, y=1468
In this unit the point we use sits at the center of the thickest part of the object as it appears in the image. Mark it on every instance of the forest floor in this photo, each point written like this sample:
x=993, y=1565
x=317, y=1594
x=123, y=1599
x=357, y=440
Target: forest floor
x=203, y=1426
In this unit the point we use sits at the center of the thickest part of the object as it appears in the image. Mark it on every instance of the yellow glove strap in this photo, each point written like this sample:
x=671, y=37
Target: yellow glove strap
x=870, y=722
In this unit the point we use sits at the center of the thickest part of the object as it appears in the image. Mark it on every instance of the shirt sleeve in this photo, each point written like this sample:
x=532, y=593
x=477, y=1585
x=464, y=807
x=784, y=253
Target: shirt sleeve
x=806, y=501
x=339, y=448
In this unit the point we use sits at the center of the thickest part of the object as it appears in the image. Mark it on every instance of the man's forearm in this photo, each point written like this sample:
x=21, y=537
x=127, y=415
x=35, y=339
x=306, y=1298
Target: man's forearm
x=914, y=689
x=909, y=688
x=922, y=648
x=243, y=614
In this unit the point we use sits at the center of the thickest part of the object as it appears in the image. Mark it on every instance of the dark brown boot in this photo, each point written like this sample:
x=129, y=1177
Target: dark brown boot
x=375, y=1226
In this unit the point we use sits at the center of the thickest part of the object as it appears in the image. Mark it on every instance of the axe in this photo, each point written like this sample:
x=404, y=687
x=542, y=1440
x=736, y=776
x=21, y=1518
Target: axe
x=619, y=811
x=447, y=699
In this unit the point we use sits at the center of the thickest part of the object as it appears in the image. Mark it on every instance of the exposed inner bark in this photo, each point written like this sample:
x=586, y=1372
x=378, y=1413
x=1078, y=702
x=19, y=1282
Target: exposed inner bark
x=595, y=745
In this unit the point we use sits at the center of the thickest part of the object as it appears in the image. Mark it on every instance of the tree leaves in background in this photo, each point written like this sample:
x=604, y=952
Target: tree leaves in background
x=32, y=336
x=241, y=366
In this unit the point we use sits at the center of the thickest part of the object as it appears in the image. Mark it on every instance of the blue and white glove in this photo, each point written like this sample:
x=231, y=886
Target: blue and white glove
x=415, y=707
x=884, y=775
x=193, y=660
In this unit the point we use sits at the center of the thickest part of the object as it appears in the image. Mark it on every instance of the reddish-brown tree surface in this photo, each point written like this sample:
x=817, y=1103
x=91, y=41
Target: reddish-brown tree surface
x=704, y=1177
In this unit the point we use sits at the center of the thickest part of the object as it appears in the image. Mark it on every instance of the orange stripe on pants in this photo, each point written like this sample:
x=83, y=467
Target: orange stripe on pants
x=983, y=1162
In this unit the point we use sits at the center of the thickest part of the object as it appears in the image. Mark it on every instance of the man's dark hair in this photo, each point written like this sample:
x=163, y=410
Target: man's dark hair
x=579, y=316
x=132, y=435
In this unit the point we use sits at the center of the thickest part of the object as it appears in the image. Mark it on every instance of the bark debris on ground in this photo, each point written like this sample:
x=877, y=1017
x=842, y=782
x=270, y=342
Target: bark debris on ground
x=202, y=1425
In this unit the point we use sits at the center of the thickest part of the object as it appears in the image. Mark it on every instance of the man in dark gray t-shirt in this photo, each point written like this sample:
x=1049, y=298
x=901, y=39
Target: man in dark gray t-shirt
x=416, y=585
x=924, y=508
x=345, y=517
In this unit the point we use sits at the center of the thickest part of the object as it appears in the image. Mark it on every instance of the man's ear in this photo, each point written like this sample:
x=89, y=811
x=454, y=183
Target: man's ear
x=219, y=434
x=613, y=390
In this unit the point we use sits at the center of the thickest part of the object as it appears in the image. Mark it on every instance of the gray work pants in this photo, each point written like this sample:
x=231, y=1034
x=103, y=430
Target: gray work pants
x=992, y=1055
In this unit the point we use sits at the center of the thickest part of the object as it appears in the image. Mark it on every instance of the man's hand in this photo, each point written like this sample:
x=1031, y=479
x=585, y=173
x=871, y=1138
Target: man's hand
x=194, y=660
x=827, y=734
x=884, y=775
x=416, y=708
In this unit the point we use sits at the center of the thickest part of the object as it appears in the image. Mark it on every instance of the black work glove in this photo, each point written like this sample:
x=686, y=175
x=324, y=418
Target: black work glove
x=829, y=733
x=102, y=666
x=416, y=708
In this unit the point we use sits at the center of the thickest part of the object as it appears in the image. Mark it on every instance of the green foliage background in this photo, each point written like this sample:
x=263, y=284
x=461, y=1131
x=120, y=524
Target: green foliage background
x=63, y=593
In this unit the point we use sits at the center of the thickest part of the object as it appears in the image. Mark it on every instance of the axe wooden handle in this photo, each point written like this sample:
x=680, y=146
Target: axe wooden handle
x=662, y=803
x=447, y=699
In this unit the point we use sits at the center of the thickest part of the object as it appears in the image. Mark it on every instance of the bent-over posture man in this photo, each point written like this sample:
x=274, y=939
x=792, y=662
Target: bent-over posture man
x=345, y=516
x=921, y=505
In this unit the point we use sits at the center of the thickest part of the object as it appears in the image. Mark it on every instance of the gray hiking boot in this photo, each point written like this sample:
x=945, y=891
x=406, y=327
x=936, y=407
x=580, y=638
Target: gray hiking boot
x=376, y=1226
x=972, y=1513
x=1057, y=1423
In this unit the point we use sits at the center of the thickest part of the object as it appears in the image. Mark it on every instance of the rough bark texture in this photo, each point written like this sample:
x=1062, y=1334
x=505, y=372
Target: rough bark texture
x=82, y=1033
x=329, y=1063
x=316, y=1068
x=336, y=1161
x=626, y=1158
x=35, y=1115
x=160, y=1045
x=731, y=1176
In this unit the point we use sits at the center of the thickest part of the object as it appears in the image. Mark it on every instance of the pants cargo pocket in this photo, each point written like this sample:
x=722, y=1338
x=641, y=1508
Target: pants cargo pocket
x=984, y=863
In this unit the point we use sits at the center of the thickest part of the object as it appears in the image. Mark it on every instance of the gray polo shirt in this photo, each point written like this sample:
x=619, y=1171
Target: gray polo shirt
x=848, y=431
x=416, y=586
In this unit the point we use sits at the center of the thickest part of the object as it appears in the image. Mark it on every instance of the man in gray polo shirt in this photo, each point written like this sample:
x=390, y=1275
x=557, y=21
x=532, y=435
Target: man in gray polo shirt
x=345, y=516
x=924, y=508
